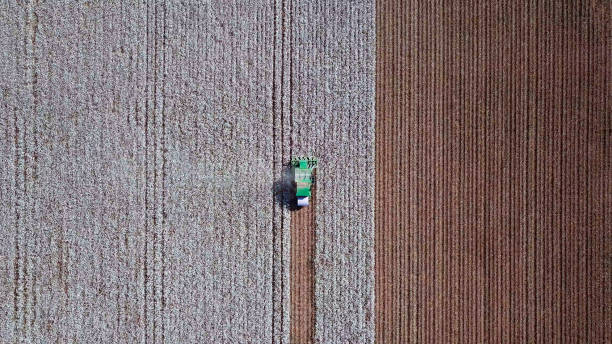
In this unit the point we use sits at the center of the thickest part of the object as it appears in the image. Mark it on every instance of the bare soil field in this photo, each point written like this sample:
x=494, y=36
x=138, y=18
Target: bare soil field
x=493, y=196
x=303, y=229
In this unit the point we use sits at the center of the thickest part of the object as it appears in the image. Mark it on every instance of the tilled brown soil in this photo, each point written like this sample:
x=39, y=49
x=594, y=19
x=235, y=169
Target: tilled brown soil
x=302, y=273
x=493, y=170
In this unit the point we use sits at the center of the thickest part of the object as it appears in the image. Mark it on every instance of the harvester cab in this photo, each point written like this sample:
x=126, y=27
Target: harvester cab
x=303, y=178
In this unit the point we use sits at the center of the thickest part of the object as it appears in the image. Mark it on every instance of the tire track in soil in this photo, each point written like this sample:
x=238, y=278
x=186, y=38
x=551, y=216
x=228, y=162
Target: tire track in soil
x=281, y=112
x=155, y=175
x=24, y=170
x=303, y=228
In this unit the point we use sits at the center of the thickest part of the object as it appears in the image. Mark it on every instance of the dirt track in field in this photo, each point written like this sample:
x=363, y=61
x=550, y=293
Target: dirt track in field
x=493, y=172
x=303, y=228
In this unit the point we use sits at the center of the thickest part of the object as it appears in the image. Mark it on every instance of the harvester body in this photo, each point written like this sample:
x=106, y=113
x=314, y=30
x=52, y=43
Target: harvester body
x=303, y=178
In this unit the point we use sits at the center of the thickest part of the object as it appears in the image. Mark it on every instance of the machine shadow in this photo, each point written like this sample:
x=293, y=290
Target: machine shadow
x=284, y=190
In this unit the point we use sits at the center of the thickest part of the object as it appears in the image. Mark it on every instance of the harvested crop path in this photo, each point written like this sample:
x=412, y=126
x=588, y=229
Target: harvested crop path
x=303, y=230
x=493, y=166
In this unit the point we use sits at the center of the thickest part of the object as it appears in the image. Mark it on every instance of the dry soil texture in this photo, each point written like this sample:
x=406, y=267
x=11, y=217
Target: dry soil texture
x=139, y=146
x=303, y=229
x=493, y=198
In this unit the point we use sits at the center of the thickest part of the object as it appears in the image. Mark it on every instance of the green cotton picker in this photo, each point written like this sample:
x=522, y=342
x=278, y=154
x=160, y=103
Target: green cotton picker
x=303, y=178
